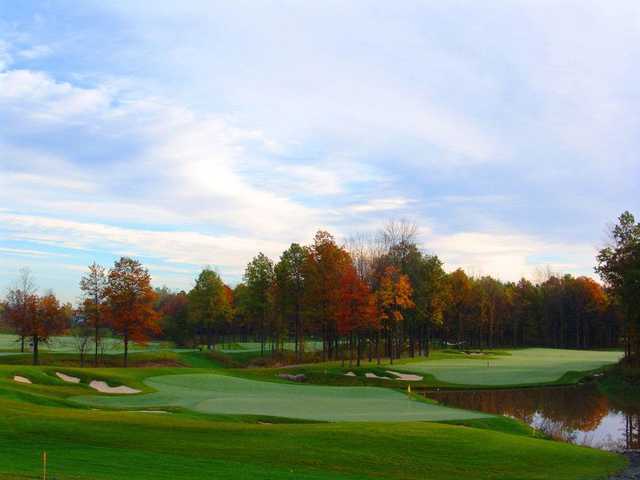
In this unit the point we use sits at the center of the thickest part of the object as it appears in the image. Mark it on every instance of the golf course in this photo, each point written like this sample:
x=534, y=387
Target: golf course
x=195, y=416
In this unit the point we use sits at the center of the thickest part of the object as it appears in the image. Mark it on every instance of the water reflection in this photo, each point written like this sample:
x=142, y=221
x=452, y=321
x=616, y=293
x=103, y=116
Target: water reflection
x=580, y=415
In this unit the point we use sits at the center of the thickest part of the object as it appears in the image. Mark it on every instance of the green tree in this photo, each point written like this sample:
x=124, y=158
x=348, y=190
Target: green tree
x=208, y=305
x=259, y=279
x=618, y=264
x=289, y=276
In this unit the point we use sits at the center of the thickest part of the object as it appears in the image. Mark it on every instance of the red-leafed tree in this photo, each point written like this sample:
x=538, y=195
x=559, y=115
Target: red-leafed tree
x=356, y=313
x=35, y=318
x=130, y=301
x=323, y=270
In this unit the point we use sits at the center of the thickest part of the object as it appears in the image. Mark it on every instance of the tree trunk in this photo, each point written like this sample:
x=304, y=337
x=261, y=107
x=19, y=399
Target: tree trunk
x=96, y=339
x=126, y=351
x=35, y=350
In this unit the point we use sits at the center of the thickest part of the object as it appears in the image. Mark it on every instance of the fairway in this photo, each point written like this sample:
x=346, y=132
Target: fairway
x=220, y=394
x=10, y=344
x=520, y=367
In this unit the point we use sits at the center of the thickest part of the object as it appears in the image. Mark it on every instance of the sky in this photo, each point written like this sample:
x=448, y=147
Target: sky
x=198, y=133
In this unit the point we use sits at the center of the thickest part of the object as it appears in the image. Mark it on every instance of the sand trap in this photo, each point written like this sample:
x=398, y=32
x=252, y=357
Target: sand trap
x=148, y=411
x=405, y=376
x=103, y=387
x=67, y=378
x=350, y=374
x=373, y=375
x=19, y=379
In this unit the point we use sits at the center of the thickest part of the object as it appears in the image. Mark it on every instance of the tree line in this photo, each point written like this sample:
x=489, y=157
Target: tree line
x=382, y=296
x=374, y=297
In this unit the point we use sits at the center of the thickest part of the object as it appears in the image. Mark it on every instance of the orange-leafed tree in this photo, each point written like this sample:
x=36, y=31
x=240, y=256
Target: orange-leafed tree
x=36, y=318
x=130, y=301
x=356, y=313
x=325, y=264
x=394, y=296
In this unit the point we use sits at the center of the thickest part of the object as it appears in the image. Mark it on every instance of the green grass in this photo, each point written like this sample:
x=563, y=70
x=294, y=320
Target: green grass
x=116, y=445
x=520, y=367
x=66, y=344
x=222, y=426
x=221, y=394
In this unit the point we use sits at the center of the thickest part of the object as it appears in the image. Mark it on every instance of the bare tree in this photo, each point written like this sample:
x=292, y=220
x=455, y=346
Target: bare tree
x=82, y=338
x=398, y=232
x=93, y=286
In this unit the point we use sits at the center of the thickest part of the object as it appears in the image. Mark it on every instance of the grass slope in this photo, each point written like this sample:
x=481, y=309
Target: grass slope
x=116, y=445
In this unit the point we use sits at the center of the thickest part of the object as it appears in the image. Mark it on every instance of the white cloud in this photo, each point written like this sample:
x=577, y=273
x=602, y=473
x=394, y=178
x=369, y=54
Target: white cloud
x=380, y=205
x=35, y=95
x=182, y=247
x=509, y=256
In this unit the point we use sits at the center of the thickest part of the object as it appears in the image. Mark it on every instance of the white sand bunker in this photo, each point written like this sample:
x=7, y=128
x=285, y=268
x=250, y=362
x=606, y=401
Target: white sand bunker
x=148, y=411
x=405, y=376
x=67, y=378
x=350, y=374
x=373, y=375
x=103, y=387
x=19, y=379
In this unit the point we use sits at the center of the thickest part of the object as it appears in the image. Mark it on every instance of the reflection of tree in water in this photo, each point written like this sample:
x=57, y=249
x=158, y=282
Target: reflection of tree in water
x=564, y=413
x=575, y=408
x=632, y=431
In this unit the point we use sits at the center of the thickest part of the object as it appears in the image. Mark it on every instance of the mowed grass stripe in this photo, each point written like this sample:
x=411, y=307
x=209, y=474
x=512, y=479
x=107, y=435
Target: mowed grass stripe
x=221, y=394
x=521, y=367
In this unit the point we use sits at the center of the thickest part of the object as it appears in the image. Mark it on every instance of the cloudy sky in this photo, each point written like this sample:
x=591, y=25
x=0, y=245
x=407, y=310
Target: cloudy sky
x=198, y=133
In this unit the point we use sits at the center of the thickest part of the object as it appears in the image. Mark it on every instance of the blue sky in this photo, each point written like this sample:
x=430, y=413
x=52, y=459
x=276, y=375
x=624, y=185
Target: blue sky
x=199, y=133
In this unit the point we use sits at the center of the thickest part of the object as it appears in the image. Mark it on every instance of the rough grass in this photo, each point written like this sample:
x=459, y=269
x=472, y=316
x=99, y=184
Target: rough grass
x=103, y=445
x=221, y=394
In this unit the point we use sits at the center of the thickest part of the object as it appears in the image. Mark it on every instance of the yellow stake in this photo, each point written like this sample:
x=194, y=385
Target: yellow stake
x=409, y=388
x=44, y=465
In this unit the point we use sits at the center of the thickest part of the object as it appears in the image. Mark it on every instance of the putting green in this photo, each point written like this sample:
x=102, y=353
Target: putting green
x=521, y=367
x=220, y=394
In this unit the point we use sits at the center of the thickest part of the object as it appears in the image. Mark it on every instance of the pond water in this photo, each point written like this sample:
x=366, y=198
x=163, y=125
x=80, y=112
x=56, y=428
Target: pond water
x=580, y=414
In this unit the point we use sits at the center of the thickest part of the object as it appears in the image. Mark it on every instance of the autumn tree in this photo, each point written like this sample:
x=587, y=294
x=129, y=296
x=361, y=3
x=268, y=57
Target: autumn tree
x=458, y=306
x=36, y=318
x=209, y=305
x=325, y=264
x=130, y=300
x=394, y=297
x=93, y=285
x=20, y=305
x=356, y=313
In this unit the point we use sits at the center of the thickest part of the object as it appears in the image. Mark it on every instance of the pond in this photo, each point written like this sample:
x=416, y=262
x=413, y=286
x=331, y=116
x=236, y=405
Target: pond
x=580, y=414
